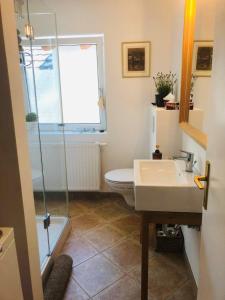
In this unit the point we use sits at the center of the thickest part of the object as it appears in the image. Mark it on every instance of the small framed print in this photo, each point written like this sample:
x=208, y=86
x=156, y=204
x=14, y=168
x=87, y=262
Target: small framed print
x=202, y=58
x=136, y=59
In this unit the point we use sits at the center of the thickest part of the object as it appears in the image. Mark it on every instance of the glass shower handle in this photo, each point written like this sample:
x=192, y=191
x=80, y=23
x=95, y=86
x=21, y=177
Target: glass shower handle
x=47, y=221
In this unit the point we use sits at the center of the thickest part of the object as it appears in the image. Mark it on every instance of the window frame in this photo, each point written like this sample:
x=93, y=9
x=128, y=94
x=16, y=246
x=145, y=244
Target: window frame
x=68, y=40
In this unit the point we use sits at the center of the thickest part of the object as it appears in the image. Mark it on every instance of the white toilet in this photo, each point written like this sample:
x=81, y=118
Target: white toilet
x=122, y=181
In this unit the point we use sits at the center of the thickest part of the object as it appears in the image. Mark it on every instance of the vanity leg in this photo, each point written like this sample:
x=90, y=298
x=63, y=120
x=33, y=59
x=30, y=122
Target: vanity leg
x=144, y=262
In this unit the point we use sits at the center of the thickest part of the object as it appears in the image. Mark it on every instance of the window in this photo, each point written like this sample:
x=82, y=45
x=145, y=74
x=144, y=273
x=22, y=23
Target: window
x=81, y=83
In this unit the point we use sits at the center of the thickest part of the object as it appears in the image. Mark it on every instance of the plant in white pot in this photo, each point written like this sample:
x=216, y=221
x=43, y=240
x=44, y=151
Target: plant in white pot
x=32, y=121
x=164, y=84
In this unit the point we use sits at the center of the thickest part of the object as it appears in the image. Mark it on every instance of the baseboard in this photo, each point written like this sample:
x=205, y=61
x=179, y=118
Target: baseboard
x=195, y=287
x=74, y=194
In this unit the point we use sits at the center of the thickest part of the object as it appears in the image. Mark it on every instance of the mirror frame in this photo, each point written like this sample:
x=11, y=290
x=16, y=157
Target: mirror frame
x=186, y=75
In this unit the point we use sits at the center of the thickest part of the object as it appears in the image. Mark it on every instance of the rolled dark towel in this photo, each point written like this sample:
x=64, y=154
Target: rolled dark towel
x=58, y=279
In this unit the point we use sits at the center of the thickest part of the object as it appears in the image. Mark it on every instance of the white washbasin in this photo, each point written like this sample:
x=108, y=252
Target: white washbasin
x=163, y=185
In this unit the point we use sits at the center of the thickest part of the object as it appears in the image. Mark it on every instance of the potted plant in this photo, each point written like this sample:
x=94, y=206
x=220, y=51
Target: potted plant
x=31, y=119
x=164, y=84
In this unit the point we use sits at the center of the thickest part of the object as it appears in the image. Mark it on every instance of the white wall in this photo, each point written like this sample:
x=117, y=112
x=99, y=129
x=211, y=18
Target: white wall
x=192, y=236
x=127, y=100
x=212, y=259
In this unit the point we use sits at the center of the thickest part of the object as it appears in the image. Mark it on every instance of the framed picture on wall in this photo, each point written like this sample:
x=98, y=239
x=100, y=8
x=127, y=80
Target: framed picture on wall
x=202, y=58
x=136, y=59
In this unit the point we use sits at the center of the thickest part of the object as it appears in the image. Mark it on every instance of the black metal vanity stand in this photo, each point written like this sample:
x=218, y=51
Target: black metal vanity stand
x=151, y=217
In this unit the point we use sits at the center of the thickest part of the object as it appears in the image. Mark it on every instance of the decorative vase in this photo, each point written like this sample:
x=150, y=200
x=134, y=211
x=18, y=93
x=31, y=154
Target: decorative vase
x=159, y=100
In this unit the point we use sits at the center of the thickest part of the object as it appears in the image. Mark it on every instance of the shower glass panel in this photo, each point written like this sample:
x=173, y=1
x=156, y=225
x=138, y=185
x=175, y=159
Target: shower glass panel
x=42, y=98
x=34, y=141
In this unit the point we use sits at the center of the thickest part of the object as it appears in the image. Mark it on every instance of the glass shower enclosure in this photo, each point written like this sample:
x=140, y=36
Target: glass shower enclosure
x=37, y=39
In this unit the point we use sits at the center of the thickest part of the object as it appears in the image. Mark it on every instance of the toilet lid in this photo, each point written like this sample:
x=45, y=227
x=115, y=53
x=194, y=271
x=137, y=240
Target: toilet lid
x=120, y=175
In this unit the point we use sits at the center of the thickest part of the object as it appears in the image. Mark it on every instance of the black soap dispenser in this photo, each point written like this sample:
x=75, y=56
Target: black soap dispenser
x=157, y=154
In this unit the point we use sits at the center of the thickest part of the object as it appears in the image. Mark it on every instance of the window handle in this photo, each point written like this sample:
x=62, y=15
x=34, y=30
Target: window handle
x=101, y=104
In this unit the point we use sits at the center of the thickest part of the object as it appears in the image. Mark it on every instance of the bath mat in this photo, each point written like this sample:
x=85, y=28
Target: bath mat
x=58, y=279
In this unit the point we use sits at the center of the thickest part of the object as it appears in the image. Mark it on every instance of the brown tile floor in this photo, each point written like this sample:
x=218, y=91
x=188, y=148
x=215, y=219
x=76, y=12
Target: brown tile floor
x=104, y=245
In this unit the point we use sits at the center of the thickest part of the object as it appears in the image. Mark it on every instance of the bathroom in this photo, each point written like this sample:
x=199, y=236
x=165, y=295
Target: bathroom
x=64, y=168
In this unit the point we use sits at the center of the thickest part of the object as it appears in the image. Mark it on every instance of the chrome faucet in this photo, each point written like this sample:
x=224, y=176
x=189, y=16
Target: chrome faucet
x=189, y=160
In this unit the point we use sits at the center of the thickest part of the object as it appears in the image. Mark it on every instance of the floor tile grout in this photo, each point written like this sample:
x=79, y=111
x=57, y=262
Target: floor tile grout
x=123, y=274
x=80, y=286
x=109, y=285
x=104, y=250
x=127, y=271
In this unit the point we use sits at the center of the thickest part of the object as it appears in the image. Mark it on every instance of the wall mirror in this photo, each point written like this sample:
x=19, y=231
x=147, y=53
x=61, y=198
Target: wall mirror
x=197, y=59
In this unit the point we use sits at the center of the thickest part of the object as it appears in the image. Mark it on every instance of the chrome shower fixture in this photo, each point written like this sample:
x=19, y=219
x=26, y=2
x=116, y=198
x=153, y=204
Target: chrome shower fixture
x=29, y=32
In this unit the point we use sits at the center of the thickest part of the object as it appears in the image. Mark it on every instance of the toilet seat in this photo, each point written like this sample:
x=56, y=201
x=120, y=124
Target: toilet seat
x=121, y=177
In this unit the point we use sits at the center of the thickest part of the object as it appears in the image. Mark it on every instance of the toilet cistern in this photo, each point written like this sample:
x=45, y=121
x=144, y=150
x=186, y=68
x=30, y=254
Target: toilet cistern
x=188, y=158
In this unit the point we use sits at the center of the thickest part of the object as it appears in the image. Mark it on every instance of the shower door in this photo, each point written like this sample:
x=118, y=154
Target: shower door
x=44, y=119
x=49, y=105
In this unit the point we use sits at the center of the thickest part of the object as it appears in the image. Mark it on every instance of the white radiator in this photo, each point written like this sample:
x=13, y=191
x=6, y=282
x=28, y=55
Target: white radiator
x=83, y=166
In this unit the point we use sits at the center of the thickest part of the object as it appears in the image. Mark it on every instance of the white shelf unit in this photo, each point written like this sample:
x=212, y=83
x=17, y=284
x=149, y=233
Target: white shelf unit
x=10, y=284
x=164, y=131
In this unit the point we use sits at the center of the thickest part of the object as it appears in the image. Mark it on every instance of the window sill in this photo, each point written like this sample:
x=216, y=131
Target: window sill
x=85, y=133
x=55, y=137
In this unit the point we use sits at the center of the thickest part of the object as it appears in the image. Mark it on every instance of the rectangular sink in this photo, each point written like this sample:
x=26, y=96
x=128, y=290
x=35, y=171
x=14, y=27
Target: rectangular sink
x=163, y=185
